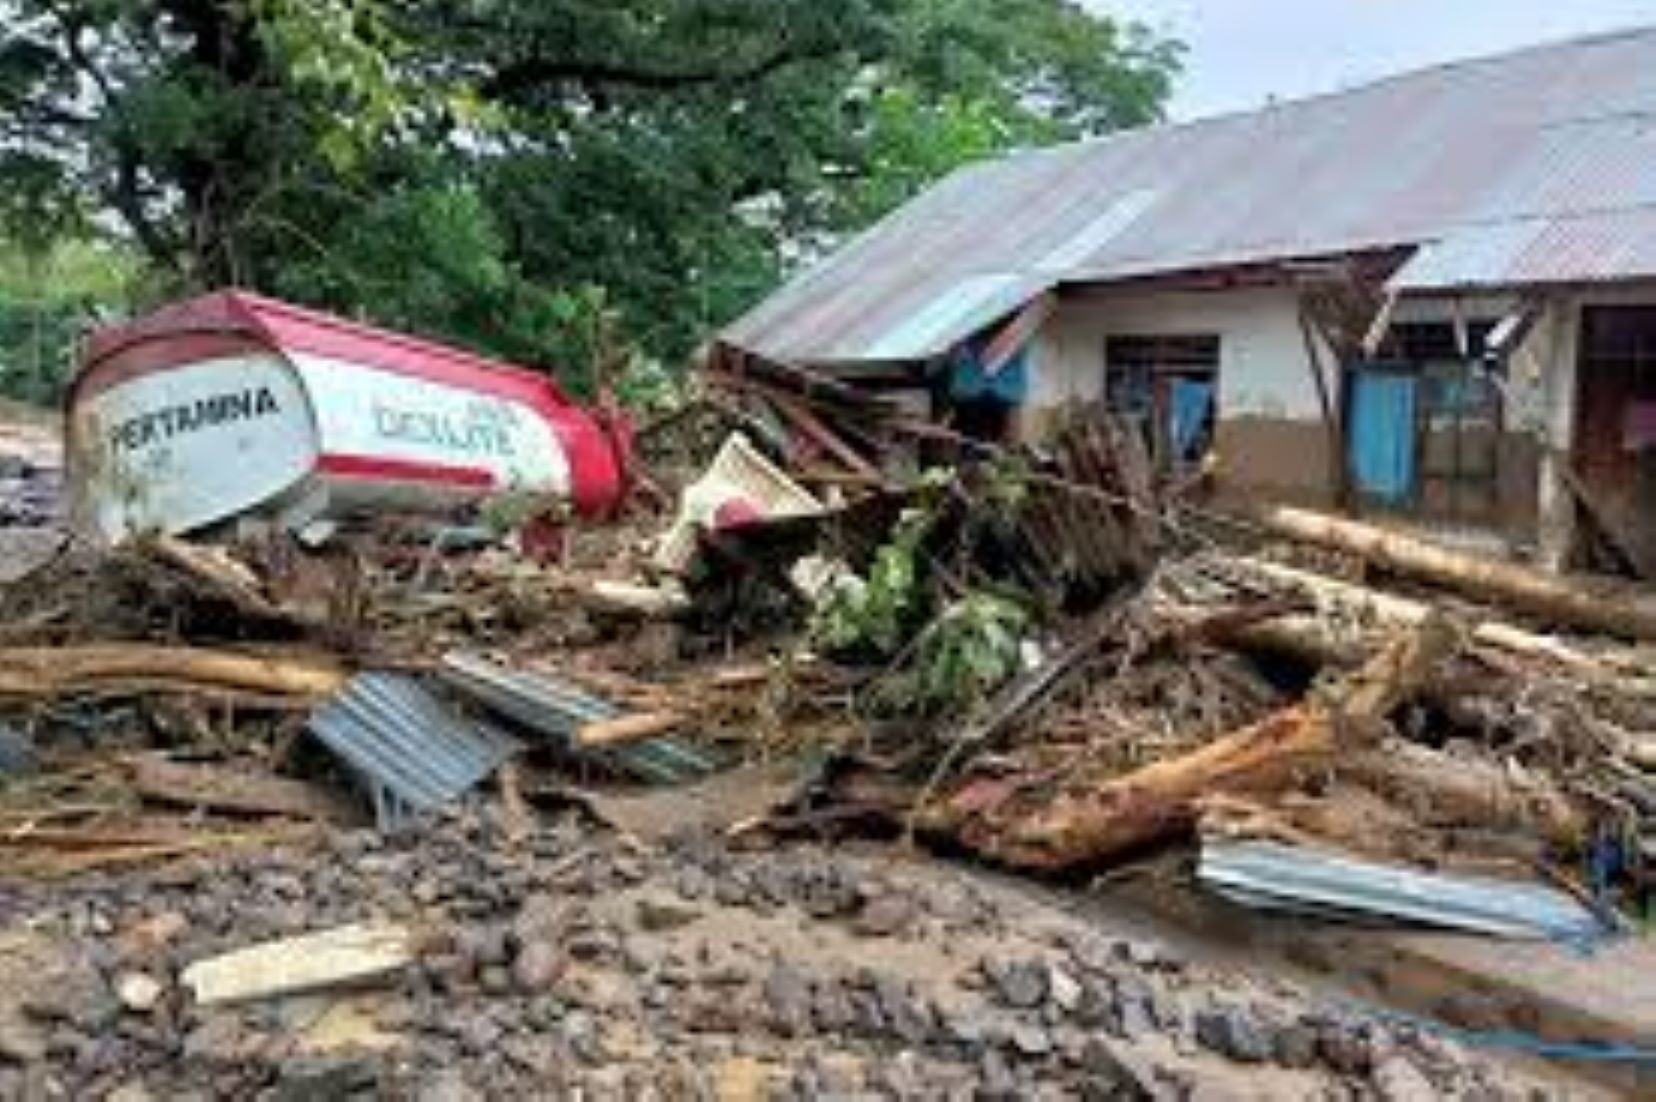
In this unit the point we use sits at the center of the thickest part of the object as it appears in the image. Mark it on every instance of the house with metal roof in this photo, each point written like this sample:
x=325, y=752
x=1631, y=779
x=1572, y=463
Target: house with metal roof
x=1433, y=295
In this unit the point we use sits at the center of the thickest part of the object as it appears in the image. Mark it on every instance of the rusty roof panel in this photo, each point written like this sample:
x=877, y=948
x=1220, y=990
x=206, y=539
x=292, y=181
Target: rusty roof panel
x=1589, y=248
x=1551, y=133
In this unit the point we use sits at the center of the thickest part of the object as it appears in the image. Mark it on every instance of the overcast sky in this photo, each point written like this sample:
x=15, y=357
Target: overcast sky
x=1243, y=52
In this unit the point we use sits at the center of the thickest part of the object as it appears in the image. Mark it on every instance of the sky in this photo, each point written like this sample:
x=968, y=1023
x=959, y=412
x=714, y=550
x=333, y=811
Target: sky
x=1244, y=52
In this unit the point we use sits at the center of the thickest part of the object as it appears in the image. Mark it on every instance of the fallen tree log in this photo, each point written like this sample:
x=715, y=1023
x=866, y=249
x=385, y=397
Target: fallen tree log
x=1450, y=791
x=1319, y=638
x=1596, y=605
x=40, y=673
x=1163, y=799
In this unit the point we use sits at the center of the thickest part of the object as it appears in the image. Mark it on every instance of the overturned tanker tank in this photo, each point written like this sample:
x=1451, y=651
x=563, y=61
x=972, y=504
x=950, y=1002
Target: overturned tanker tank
x=234, y=404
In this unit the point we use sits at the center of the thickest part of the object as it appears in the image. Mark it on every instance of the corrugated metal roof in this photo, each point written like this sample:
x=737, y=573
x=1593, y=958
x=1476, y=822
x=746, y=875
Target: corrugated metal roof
x=1561, y=135
x=1588, y=248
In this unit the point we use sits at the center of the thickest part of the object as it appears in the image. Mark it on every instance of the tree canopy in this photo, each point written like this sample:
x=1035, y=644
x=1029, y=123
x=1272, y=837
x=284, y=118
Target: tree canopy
x=494, y=171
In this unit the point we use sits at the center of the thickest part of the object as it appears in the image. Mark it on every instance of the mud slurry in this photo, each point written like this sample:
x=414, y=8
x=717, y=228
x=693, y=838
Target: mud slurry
x=579, y=964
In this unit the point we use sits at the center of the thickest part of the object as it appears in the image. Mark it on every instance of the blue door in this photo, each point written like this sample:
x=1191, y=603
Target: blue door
x=1381, y=434
x=1190, y=405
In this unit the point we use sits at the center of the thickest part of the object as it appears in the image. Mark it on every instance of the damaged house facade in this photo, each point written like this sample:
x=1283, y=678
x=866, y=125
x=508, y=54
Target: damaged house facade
x=1431, y=298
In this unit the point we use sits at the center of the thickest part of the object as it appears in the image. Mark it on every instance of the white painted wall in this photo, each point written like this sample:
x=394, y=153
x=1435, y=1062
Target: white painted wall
x=1263, y=367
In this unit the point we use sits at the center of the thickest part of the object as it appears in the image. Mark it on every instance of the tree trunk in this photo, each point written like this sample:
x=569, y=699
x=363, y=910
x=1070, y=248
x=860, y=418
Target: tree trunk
x=1456, y=792
x=1318, y=636
x=1599, y=605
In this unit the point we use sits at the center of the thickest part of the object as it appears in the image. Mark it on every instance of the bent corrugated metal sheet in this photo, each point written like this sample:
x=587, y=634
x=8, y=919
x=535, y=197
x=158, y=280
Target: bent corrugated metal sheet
x=1292, y=878
x=557, y=710
x=412, y=752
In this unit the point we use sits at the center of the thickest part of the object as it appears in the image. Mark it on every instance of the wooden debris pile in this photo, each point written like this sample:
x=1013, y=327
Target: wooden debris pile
x=1009, y=650
x=162, y=690
x=1238, y=697
x=1442, y=720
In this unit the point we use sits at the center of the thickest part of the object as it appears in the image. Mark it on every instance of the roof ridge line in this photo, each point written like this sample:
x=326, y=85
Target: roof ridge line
x=1232, y=115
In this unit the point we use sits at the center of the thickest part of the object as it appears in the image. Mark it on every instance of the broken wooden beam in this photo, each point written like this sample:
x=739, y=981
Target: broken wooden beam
x=310, y=962
x=223, y=789
x=1596, y=605
x=625, y=730
x=39, y=673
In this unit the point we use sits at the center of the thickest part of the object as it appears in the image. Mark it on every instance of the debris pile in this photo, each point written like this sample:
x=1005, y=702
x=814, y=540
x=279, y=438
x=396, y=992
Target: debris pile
x=1034, y=654
x=830, y=619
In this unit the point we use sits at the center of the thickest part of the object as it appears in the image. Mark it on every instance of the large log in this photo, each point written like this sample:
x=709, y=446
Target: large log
x=41, y=673
x=1163, y=799
x=1340, y=602
x=1450, y=791
x=1595, y=605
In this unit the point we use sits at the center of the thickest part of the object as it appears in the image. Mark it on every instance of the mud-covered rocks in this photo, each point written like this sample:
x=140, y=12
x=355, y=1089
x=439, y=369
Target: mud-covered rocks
x=574, y=964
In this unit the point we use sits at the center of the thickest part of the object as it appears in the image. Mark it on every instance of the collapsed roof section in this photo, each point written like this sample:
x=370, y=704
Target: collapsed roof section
x=1529, y=168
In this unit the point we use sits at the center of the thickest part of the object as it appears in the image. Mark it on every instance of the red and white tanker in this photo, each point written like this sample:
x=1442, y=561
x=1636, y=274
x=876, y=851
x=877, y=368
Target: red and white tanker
x=234, y=404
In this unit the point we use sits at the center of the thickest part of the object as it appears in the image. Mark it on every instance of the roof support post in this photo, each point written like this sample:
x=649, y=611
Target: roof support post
x=1315, y=341
x=1560, y=385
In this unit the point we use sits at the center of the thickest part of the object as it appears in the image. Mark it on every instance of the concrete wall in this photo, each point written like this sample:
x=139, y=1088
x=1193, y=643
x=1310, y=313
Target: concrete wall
x=1271, y=441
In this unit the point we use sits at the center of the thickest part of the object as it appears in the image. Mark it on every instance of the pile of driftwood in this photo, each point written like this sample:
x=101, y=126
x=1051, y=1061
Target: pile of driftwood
x=161, y=699
x=1154, y=690
x=1445, y=712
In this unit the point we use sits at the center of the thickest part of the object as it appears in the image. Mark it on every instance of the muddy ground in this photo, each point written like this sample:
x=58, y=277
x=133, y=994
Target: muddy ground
x=578, y=963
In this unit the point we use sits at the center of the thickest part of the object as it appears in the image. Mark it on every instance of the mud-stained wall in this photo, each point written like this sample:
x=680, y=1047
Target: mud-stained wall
x=1275, y=458
x=1271, y=441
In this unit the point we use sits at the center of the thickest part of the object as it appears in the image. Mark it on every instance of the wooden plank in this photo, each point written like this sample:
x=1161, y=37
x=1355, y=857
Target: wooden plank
x=211, y=786
x=351, y=954
x=1642, y=562
x=824, y=437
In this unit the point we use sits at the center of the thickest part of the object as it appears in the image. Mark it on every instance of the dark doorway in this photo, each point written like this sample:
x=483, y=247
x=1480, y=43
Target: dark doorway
x=1168, y=386
x=1615, y=431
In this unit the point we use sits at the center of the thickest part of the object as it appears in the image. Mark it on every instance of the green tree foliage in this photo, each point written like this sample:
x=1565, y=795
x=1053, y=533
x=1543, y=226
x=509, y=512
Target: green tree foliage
x=47, y=297
x=468, y=167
